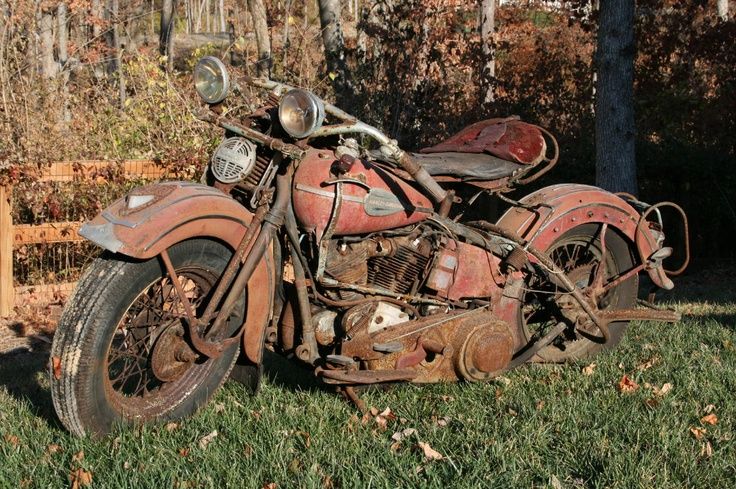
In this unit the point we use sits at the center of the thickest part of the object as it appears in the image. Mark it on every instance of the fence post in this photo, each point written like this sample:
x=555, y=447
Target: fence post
x=7, y=293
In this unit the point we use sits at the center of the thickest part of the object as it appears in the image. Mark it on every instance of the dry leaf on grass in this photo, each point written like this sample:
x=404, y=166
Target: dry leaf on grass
x=53, y=448
x=270, y=485
x=219, y=407
x=183, y=452
x=171, y=426
x=589, y=369
x=626, y=385
x=80, y=478
x=698, y=433
x=648, y=364
x=710, y=419
x=78, y=457
x=709, y=408
x=12, y=439
x=540, y=405
x=555, y=482
x=207, y=439
x=706, y=450
x=429, y=452
x=662, y=391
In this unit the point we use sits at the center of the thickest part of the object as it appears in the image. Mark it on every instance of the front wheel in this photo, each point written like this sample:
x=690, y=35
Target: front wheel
x=121, y=353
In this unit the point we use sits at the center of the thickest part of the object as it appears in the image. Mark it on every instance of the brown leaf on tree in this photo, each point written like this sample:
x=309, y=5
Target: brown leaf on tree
x=710, y=419
x=429, y=452
x=698, y=433
x=626, y=385
x=80, y=478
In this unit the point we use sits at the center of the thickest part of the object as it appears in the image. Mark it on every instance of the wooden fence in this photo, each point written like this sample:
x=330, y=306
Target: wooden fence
x=12, y=236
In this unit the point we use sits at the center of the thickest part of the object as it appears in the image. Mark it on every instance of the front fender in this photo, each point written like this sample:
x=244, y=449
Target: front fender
x=554, y=210
x=154, y=217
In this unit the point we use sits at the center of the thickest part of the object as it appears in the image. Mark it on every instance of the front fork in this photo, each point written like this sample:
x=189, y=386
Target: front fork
x=257, y=239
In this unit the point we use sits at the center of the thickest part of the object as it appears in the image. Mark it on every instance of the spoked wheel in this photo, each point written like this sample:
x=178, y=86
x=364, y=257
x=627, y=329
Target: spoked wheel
x=594, y=257
x=122, y=354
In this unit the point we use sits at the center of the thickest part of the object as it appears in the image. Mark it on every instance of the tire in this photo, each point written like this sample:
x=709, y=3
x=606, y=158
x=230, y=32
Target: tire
x=620, y=258
x=116, y=329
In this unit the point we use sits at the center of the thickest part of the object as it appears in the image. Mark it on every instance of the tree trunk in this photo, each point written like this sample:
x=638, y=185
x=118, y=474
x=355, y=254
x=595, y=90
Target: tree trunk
x=49, y=68
x=166, y=35
x=722, y=6
x=263, y=41
x=116, y=65
x=614, y=122
x=63, y=29
x=96, y=12
x=221, y=6
x=487, y=24
x=334, y=44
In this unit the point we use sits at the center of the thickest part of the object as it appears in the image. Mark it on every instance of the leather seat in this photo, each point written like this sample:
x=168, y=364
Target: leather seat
x=468, y=166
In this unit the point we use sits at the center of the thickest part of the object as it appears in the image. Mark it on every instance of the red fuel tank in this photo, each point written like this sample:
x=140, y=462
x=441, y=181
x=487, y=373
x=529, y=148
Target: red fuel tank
x=373, y=199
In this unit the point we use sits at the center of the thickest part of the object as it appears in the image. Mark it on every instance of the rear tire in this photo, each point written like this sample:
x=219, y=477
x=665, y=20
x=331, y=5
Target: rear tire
x=121, y=312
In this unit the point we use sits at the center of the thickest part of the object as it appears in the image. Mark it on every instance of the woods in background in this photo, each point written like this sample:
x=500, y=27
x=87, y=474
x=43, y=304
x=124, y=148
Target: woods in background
x=87, y=75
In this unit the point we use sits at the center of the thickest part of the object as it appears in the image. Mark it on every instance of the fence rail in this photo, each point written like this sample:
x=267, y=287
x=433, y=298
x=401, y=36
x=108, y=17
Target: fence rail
x=12, y=236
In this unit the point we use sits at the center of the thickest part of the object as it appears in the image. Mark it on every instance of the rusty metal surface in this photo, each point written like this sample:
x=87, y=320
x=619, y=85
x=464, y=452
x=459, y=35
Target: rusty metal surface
x=313, y=199
x=559, y=208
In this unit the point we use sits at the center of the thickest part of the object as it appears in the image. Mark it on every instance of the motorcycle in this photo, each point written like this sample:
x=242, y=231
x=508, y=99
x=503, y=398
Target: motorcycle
x=314, y=235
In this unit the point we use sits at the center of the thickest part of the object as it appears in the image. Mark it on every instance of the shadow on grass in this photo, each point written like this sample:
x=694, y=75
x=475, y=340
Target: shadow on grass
x=22, y=374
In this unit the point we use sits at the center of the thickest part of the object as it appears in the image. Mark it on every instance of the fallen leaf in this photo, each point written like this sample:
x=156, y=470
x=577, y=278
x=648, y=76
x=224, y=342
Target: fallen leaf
x=652, y=403
x=247, y=451
x=56, y=367
x=171, y=426
x=540, y=405
x=512, y=412
x=710, y=419
x=429, y=452
x=295, y=466
x=306, y=436
x=384, y=417
x=270, y=485
x=447, y=398
x=12, y=439
x=662, y=391
x=183, y=452
x=648, y=364
x=555, y=482
x=443, y=421
x=403, y=434
x=698, y=433
x=207, y=439
x=706, y=450
x=80, y=478
x=626, y=385
x=589, y=369
x=219, y=407
x=53, y=448
x=327, y=482
x=709, y=408
x=256, y=414
x=126, y=465
x=78, y=457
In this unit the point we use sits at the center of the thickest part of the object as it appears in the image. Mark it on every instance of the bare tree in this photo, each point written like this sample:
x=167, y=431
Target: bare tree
x=722, y=6
x=615, y=128
x=263, y=41
x=487, y=24
x=334, y=44
x=63, y=36
x=116, y=63
x=166, y=34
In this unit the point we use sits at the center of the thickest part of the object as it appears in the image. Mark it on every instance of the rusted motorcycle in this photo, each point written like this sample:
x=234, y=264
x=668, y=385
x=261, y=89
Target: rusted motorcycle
x=316, y=236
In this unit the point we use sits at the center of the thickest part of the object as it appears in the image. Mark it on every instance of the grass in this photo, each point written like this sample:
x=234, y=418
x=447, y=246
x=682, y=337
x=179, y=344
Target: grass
x=538, y=426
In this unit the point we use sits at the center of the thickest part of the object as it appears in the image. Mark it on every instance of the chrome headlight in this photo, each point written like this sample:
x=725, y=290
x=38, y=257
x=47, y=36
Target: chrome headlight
x=301, y=113
x=233, y=160
x=211, y=80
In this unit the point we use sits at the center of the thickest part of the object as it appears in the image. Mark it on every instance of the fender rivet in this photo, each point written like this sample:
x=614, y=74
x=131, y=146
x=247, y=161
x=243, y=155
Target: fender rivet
x=556, y=230
x=590, y=213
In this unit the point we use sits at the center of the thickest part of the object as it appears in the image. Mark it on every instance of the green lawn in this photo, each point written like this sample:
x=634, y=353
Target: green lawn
x=558, y=426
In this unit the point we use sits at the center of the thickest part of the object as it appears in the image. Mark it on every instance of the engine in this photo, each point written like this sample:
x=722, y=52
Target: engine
x=391, y=265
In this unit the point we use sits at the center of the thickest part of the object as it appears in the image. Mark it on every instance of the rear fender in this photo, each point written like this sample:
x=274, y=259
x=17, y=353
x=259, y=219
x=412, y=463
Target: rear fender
x=568, y=205
x=155, y=217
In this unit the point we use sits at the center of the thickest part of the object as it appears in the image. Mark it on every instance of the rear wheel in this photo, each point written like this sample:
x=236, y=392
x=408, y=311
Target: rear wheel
x=580, y=253
x=121, y=353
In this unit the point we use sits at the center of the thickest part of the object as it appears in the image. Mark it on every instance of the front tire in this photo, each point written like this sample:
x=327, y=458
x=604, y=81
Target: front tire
x=121, y=353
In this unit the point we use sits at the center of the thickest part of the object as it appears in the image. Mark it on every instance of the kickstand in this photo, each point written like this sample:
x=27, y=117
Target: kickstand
x=350, y=395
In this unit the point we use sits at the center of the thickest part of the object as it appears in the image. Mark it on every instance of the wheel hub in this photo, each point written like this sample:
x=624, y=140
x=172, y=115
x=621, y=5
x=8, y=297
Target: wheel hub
x=171, y=356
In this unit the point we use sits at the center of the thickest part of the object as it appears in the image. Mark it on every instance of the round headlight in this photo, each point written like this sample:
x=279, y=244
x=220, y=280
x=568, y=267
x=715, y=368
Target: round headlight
x=211, y=80
x=301, y=113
